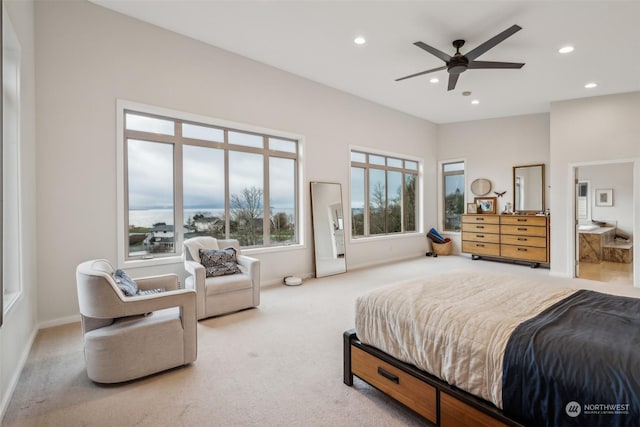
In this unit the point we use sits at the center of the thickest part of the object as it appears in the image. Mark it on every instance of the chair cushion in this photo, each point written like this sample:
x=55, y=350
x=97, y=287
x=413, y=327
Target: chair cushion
x=219, y=262
x=222, y=284
x=201, y=242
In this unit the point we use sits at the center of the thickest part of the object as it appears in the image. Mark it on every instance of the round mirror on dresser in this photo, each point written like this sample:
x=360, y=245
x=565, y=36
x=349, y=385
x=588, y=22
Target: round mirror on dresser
x=481, y=187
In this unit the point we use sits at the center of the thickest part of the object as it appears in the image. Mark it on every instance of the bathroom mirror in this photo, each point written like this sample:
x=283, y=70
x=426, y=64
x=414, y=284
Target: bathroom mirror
x=528, y=188
x=328, y=228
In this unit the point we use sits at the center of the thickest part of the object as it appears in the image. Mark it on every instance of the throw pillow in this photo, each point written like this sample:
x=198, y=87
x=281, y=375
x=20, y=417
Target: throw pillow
x=219, y=262
x=127, y=285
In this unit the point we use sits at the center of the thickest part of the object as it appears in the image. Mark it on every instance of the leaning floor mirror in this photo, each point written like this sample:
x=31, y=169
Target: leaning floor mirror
x=328, y=228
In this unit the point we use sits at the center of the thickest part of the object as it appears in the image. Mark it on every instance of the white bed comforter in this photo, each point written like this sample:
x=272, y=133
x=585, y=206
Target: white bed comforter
x=454, y=326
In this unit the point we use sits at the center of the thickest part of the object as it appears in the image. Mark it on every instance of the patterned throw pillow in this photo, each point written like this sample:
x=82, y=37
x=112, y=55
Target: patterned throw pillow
x=127, y=285
x=219, y=262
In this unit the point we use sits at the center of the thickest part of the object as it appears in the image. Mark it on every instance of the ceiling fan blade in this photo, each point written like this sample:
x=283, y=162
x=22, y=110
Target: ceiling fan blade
x=493, y=64
x=453, y=79
x=473, y=54
x=432, y=50
x=422, y=72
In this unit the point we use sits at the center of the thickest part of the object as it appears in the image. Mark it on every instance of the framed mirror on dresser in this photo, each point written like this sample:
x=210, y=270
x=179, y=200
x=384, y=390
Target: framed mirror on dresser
x=528, y=188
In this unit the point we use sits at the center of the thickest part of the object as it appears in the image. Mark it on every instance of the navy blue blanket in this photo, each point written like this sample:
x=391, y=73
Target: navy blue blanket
x=576, y=364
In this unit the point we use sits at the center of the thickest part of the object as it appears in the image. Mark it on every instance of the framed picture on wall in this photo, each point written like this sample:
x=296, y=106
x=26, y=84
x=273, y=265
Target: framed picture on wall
x=485, y=205
x=604, y=197
x=472, y=208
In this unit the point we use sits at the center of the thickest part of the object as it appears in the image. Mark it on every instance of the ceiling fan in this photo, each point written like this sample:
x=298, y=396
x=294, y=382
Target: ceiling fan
x=459, y=63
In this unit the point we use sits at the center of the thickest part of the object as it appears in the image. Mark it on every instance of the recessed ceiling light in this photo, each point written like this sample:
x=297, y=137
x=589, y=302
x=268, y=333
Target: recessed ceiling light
x=591, y=85
x=359, y=40
x=566, y=49
x=475, y=102
x=434, y=80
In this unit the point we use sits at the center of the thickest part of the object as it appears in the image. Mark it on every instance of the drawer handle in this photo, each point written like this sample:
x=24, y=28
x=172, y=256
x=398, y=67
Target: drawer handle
x=479, y=218
x=522, y=220
x=480, y=245
x=522, y=228
x=480, y=236
x=522, y=249
x=522, y=239
x=388, y=375
x=479, y=226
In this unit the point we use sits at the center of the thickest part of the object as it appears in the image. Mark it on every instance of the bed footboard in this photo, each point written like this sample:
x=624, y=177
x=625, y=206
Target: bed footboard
x=434, y=399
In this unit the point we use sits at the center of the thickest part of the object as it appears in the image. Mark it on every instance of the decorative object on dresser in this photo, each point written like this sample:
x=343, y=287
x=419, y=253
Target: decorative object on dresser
x=522, y=238
x=486, y=205
x=472, y=208
x=528, y=188
x=481, y=187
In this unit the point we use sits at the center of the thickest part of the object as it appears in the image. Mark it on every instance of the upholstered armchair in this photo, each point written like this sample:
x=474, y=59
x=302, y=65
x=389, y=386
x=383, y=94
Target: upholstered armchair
x=128, y=337
x=226, y=293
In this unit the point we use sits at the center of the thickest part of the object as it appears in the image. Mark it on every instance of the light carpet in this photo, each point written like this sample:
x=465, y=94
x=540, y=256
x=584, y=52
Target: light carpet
x=276, y=365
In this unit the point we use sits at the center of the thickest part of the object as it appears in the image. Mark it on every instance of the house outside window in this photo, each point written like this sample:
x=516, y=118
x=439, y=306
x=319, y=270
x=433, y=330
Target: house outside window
x=453, y=194
x=384, y=196
x=183, y=178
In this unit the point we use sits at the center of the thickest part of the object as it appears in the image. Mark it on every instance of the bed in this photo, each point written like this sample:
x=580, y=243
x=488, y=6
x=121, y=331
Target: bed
x=469, y=348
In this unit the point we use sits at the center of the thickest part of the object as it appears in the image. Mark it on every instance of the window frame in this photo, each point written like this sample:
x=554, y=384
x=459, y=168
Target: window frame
x=443, y=195
x=366, y=166
x=123, y=106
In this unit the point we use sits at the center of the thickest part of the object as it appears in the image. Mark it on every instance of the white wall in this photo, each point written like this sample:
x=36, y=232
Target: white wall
x=491, y=148
x=20, y=322
x=597, y=129
x=89, y=56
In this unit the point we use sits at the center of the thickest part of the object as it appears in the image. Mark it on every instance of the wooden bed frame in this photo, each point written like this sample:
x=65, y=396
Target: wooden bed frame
x=432, y=398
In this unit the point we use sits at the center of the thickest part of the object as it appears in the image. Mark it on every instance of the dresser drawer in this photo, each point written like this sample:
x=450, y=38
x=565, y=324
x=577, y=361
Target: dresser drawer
x=478, y=236
x=539, y=221
x=477, y=248
x=523, y=230
x=510, y=239
x=483, y=228
x=481, y=219
x=526, y=253
x=398, y=384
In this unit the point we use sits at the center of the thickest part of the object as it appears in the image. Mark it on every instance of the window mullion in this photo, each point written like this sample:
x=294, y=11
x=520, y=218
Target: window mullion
x=266, y=211
x=178, y=228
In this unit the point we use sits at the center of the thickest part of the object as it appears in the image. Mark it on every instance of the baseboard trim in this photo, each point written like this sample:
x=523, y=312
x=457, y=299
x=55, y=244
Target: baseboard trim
x=60, y=321
x=15, y=378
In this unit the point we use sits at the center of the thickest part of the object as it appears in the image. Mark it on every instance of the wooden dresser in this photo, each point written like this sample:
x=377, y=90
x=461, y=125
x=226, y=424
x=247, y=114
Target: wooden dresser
x=514, y=237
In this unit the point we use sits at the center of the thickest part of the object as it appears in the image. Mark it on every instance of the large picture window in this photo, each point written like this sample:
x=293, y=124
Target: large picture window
x=453, y=191
x=383, y=194
x=184, y=179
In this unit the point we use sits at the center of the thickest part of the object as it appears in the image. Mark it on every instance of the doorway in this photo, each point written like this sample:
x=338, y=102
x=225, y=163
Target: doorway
x=604, y=201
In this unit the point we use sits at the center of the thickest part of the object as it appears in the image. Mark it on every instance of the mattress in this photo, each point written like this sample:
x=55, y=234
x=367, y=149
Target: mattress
x=454, y=326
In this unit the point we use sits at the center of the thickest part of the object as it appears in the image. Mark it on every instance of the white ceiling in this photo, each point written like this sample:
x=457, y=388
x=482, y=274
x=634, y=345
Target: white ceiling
x=314, y=39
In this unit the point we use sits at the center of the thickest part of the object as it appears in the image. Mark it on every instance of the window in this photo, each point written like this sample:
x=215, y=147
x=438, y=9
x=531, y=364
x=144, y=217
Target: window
x=383, y=194
x=453, y=191
x=183, y=178
x=11, y=253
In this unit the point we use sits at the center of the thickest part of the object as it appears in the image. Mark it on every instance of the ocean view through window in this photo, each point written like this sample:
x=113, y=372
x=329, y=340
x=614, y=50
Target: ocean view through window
x=211, y=179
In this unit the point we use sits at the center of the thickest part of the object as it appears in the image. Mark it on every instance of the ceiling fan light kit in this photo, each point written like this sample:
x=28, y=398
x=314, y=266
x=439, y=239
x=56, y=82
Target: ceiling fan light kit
x=459, y=63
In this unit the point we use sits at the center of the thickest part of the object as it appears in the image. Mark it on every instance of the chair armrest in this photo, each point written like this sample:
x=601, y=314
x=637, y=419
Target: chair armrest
x=183, y=298
x=253, y=270
x=199, y=274
x=167, y=281
x=251, y=264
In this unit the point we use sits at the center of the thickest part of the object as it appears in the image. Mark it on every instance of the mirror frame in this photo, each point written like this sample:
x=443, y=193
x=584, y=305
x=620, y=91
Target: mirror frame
x=542, y=172
x=319, y=226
